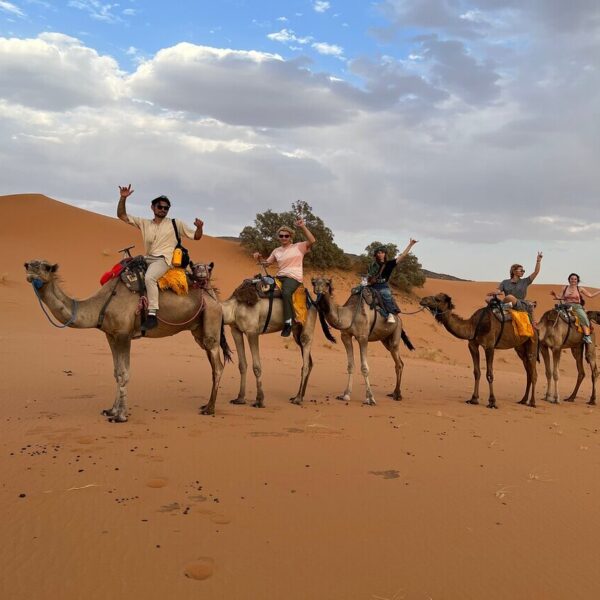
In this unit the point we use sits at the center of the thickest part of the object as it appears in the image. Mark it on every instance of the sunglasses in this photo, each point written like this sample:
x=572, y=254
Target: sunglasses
x=284, y=235
x=162, y=207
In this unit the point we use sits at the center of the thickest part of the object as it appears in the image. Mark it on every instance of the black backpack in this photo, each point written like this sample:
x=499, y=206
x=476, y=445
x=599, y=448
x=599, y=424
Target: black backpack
x=185, y=255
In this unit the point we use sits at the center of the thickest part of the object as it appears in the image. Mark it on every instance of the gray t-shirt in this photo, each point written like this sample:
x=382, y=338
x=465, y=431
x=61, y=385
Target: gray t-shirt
x=517, y=288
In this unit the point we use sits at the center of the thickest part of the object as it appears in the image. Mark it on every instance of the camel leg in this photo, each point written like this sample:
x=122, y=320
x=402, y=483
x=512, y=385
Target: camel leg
x=210, y=343
x=590, y=356
x=347, y=341
x=548, y=370
x=394, y=350
x=577, y=353
x=489, y=375
x=305, y=343
x=257, y=368
x=474, y=350
x=556, y=354
x=528, y=355
x=238, y=338
x=363, y=344
x=120, y=346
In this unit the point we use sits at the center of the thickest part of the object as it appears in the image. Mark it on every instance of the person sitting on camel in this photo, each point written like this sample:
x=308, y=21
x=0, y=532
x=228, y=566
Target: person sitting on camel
x=289, y=258
x=572, y=295
x=378, y=274
x=515, y=288
x=159, y=239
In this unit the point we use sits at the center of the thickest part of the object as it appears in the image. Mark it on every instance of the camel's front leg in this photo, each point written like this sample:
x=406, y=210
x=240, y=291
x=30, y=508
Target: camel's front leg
x=548, y=370
x=257, y=368
x=590, y=356
x=211, y=345
x=347, y=341
x=474, y=350
x=238, y=338
x=394, y=350
x=363, y=344
x=528, y=355
x=489, y=375
x=577, y=353
x=556, y=354
x=305, y=342
x=120, y=346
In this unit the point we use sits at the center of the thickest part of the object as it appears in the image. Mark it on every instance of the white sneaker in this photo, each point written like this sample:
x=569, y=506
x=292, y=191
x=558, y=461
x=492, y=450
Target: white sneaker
x=390, y=319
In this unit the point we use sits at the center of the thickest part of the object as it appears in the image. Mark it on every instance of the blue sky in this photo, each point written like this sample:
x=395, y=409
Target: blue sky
x=472, y=125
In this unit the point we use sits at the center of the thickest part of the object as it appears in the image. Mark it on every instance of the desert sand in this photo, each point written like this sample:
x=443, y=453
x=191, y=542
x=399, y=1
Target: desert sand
x=423, y=498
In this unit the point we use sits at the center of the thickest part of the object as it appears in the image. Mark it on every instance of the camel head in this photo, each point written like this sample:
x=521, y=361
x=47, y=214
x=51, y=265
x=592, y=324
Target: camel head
x=439, y=304
x=40, y=272
x=322, y=285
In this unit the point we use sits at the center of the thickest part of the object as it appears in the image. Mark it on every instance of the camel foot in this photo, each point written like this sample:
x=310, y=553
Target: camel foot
x=552, y=399
x=370, y=402
x=395, y=396
x=108, y=412
x=472, y=401
x=117, y=419
x=207, y=410
x=524, y=401
x=591, y=403
x=569, y=399
x=532, y=404
x=258, y=404
x=236, y=401
x=344, y=397
x=492, y=406
x=297, y=401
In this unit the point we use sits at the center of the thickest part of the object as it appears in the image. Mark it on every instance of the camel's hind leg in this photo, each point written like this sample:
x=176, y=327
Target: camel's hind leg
x=120, y=346
x=548, y=370
x=238, y=338
x=347, y=341
x=474, y=350
x=305, y=342
x=528, y=355
x=577, y=353
x=210, y=343
x=393, y=347
x=363, y=344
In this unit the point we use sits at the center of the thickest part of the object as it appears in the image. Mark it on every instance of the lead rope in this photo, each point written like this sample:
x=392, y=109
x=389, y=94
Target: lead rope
x=73, y=309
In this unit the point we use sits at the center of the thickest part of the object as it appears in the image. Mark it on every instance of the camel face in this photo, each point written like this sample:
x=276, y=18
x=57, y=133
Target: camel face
x=439, y=302
x=39, y=269
x=321, y=285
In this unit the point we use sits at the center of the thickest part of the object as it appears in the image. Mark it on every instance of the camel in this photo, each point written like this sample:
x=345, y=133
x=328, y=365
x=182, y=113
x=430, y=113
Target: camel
x=247, y=318
x=354, y=320
x=198, y=312
x=484, y=329
x=556, y=335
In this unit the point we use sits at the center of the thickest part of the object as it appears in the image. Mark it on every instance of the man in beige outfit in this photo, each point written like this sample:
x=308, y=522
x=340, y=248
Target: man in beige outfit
x=159, y=242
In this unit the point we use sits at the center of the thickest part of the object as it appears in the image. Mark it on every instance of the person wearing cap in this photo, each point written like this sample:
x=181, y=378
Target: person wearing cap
x=378, y=276
x=289, y=258
x=159, y=239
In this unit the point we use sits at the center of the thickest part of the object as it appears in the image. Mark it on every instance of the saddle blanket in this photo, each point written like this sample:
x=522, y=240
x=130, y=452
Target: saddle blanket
x=522, y=324
x=298, y=302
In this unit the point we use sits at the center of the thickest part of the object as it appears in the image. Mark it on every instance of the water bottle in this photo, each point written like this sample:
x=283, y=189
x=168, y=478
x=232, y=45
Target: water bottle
x=177, y=257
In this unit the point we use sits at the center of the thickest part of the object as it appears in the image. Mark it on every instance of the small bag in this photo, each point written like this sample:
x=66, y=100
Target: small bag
x=181, y=257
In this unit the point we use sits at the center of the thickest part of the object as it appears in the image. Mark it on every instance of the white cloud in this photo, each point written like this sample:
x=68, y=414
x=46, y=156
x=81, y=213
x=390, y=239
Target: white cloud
x=11, y=8
x=282, y=19
x=328, y=49
x=287, y=35
x=100, y=11
x=321, y=6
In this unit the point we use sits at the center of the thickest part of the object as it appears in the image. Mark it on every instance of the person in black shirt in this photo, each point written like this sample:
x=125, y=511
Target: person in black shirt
x=378, y=275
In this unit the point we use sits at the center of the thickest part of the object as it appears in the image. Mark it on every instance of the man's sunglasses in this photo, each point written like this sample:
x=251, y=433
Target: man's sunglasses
x=162, y=207
x=284, y=235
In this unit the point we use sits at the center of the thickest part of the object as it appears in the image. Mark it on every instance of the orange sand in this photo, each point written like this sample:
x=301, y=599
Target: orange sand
x=425, y=498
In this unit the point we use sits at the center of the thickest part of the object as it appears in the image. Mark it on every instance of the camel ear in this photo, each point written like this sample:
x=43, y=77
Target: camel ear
x=54, y=268
x=26, y=265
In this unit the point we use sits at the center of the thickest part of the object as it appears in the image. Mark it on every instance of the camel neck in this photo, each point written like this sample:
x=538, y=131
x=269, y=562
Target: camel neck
x=334, y=314
x=461, y=328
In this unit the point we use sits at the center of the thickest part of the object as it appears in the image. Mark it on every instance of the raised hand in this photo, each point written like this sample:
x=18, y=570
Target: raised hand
x=199, y=223
x=125, y=192
x=300, y=222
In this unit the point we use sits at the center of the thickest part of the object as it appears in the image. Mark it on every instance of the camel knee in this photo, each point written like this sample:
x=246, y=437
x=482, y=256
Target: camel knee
x=210, y=342
x=257, y=371
x=365, y=371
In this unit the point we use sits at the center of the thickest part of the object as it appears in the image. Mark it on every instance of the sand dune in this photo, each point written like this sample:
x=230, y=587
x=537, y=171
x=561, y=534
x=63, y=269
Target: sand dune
x=424, y=498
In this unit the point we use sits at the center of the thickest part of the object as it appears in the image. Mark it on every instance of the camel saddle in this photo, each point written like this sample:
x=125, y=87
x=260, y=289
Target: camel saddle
x=372, y=297
x=504, y=313
x=251, y=290
x=134, y=271
x=565, y=312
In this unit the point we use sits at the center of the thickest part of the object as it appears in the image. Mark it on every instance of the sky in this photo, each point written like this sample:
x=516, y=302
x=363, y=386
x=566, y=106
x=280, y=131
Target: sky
x=470, y=125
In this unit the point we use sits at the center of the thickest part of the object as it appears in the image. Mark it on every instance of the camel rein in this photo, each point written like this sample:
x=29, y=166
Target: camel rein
x=37, y=284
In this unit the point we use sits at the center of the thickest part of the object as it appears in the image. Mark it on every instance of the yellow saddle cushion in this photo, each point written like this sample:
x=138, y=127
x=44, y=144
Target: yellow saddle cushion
x=174, y=279
x=521, y=323
x=298, y=302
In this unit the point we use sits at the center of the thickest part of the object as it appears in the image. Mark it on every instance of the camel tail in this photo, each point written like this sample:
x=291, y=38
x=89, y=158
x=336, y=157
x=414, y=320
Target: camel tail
x=227, y=353
x=326, y=329
x=406, y=340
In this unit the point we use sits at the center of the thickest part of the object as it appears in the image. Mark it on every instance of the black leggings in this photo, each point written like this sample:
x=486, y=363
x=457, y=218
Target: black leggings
x=288, y=287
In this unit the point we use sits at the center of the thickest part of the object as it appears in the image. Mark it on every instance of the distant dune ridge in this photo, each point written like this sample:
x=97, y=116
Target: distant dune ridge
x=423, y=498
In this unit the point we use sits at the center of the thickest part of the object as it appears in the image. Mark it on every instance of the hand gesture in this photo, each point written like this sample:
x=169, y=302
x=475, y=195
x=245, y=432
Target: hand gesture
x=199, y=223
x=413, y=242
x=125, y=192
x=540, y=255
x=300, y=222
x=256, y=256
x=553, y=293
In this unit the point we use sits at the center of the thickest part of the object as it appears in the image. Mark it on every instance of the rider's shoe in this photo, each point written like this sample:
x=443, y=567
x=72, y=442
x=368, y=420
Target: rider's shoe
x=390, y=319
x=287, y=329
x=150, y=323
x=587, y=339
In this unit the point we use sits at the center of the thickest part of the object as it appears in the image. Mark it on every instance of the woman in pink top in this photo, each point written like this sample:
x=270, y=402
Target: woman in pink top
x=289, y=257
x=572, y=295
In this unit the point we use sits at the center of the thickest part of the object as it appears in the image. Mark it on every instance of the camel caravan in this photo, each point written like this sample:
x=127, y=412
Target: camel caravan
x=162, y=293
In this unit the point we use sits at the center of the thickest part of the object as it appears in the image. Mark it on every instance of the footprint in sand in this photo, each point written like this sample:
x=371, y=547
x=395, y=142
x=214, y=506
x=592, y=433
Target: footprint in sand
x=389, y=474
x=215, y=517
x=85, y=439
x=157, y=482
x=200, y=569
